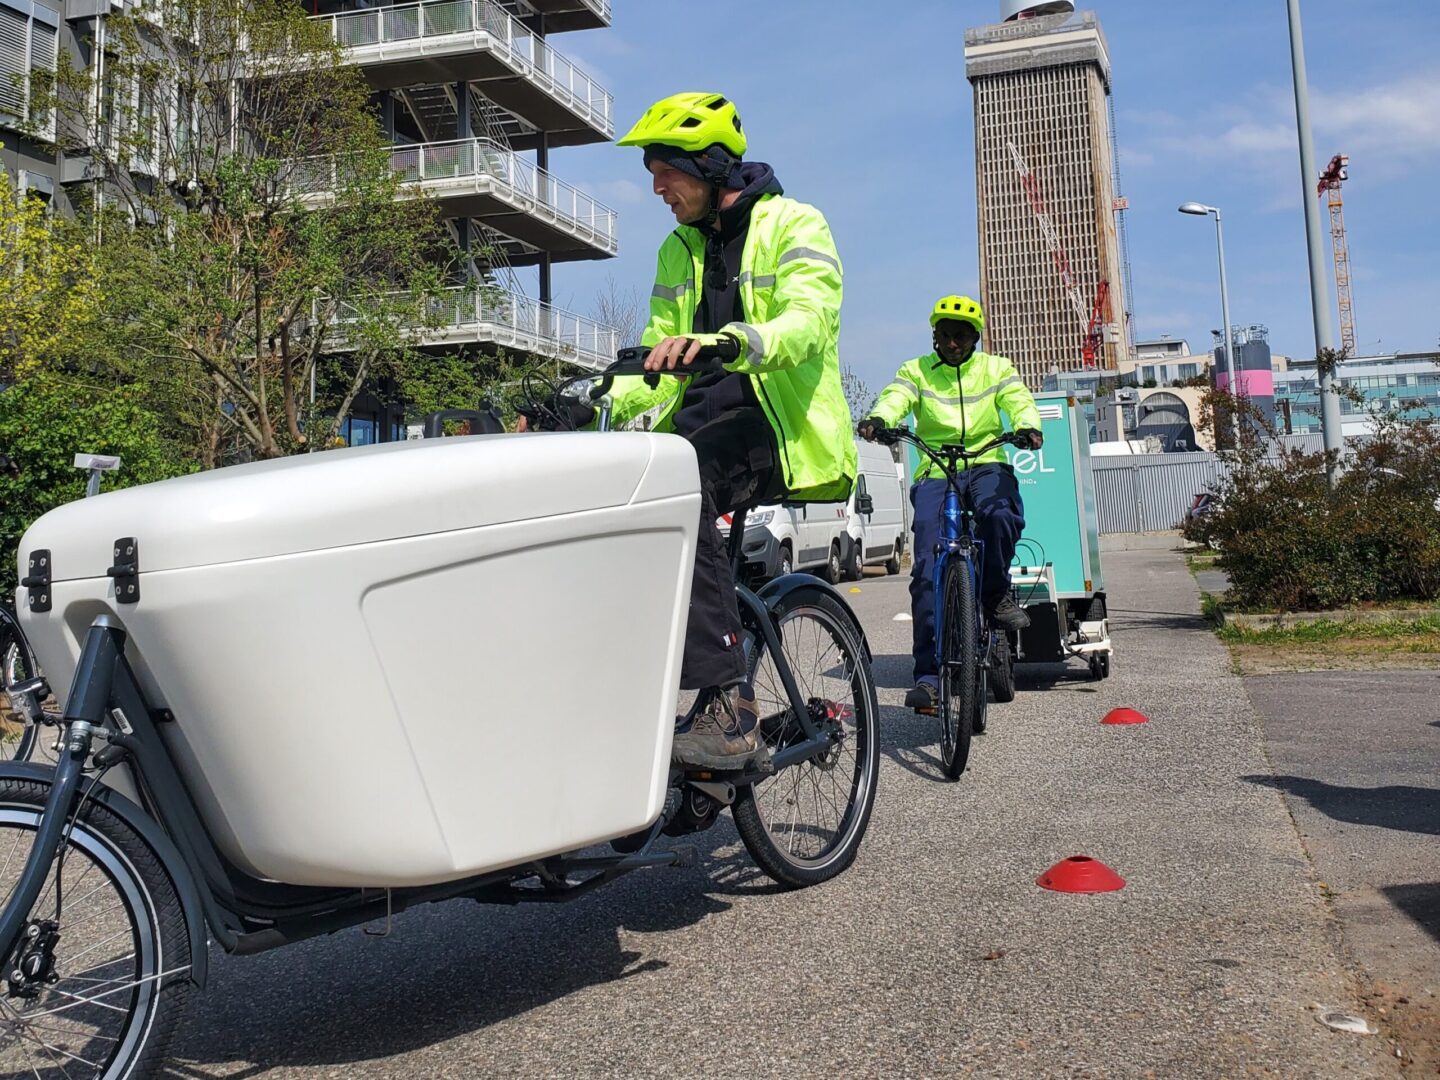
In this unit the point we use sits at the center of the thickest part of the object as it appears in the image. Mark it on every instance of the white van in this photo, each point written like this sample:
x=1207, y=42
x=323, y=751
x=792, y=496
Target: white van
x=877, y=515
x=827, y=537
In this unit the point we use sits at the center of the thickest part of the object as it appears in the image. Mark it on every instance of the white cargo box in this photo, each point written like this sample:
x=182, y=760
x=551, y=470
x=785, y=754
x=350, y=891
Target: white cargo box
x=401, y=663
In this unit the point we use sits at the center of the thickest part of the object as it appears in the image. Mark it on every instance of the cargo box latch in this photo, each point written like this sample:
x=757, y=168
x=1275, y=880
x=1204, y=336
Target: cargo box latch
x=36, y=581
x=126, y=570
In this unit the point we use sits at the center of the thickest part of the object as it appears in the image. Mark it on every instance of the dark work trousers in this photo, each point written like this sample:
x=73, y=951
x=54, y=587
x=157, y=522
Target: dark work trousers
x=736, y=452
x=999, y=520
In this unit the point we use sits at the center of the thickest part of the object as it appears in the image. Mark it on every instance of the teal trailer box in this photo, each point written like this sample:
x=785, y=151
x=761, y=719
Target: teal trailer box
x=1056, y=571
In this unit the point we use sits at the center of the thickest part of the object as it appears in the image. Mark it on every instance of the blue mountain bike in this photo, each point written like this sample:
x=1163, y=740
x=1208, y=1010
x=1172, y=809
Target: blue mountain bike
x=967, y=649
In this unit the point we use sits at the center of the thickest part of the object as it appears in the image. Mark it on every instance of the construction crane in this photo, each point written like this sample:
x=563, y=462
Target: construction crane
x=1091, y=316
x=1335, y=174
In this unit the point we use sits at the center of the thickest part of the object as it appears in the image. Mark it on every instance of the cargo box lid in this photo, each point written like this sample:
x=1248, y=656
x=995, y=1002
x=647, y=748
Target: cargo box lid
x=361, y=495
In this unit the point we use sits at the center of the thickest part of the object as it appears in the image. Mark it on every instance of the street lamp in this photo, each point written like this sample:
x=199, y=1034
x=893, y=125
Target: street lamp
x=1330, y=422
x=1200, y=210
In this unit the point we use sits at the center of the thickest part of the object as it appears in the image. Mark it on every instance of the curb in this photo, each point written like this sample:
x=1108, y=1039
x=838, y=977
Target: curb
x=1282, y=619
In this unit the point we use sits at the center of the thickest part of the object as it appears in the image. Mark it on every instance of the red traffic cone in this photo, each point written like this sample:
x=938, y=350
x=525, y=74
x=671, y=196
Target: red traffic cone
x=1080, y=874
x=1125, y=716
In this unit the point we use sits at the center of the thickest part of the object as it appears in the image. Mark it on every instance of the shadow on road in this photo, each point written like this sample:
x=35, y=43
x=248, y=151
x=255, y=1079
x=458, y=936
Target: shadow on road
x=1132, y=619
x=447, y=972
x=1400, y=806
x=1069, y=678
x=1420, y=901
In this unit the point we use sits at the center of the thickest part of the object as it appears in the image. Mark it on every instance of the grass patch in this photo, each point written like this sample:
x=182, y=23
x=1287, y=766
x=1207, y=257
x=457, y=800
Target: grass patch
x=1212, y=608
x=1412, y=635
x=1201, y=560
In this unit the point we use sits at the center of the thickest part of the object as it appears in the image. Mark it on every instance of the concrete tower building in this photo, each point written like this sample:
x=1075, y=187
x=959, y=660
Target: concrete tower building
x=1052, y=276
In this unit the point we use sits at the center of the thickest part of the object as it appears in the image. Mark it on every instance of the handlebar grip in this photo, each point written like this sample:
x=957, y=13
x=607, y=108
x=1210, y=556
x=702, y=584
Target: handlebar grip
x=709, y=360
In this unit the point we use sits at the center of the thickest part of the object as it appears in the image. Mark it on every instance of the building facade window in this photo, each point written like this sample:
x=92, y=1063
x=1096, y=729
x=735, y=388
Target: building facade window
x=29, y=43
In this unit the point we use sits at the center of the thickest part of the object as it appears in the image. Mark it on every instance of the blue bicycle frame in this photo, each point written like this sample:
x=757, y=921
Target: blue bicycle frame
x=957, y=538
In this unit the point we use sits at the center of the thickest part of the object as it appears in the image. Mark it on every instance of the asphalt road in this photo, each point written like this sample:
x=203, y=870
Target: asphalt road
x=1356, y=755
x=935, y=955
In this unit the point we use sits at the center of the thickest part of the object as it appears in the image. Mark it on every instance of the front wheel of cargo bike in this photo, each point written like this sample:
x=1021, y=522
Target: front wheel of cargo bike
x=106, y=953
x=804, y=825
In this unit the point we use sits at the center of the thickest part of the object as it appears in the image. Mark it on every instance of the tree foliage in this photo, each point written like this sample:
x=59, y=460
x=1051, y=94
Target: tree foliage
x=249, y=219
x=50, y=302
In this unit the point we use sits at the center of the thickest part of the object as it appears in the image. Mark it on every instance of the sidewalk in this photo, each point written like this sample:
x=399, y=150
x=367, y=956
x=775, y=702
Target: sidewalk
x=1357, y=755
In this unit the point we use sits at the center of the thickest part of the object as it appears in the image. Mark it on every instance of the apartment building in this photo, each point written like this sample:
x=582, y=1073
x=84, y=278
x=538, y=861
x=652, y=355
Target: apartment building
x=474, y=95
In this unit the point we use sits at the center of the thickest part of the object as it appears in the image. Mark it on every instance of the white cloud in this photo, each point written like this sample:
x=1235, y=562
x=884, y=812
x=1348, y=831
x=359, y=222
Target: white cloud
x=1391, y=129
x=618, y=193
x=1396, y=120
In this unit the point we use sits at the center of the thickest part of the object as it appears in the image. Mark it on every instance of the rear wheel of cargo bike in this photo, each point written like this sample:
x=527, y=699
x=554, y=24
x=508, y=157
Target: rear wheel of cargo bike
x=100, y=977
x=17, y=737
x=804, y=825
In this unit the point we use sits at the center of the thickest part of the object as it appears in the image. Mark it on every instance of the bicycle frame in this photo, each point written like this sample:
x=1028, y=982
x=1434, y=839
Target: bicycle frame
x=958, y=539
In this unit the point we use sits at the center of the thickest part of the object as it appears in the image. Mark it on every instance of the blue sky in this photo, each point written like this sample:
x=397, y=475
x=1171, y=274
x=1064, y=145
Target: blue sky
x=864, y=111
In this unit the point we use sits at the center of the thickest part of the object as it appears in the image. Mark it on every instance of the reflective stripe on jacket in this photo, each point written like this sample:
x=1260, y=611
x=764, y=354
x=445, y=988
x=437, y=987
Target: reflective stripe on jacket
x=958, y=406
x=790, y=291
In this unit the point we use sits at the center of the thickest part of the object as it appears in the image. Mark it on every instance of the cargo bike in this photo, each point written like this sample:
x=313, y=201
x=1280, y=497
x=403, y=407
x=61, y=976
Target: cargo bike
x=307, y=694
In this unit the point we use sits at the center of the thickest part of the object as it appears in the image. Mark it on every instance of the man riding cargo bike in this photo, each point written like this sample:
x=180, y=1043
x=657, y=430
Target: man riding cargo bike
x=419, y=765
x=752, y=278
x=957, y=394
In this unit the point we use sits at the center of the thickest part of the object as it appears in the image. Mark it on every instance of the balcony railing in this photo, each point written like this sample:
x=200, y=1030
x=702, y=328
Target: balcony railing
x=438, y=25
x=467, y=313
x=466, y=166
x=508, y=318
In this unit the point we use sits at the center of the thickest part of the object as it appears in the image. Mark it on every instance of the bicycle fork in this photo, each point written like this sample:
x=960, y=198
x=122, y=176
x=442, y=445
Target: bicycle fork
x=84, y=716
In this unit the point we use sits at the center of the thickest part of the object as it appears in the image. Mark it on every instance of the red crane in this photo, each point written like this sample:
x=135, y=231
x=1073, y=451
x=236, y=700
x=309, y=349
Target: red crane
x=1091, y=318
x=1335, y=174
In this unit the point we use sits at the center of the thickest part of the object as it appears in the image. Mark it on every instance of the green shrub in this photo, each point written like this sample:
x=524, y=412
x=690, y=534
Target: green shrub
x=1290, y=543
x=45, y=420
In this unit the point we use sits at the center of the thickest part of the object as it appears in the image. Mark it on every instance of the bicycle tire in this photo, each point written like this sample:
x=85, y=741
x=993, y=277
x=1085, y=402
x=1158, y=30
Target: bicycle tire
x=831, y=633
x=1002, y=665
x=960, y=663
x=151, y=998
x=17, y=738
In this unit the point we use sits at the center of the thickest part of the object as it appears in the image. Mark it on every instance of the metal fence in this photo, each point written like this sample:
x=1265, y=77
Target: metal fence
x=380, y=33
x=1151, y=492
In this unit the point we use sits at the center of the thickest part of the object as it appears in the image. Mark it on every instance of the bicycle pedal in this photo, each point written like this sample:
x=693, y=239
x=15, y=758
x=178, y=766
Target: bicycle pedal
x=686, y=856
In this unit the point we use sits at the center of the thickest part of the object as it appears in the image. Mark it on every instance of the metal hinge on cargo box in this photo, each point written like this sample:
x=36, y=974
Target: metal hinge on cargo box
x=36, y=581
x=126, y=570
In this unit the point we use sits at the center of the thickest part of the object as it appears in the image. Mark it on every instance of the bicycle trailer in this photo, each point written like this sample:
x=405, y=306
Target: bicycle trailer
x=1056, y=571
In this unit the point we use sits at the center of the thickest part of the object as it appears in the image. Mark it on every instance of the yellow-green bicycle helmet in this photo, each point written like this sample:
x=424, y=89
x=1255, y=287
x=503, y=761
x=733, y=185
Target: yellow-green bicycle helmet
x=961, y=308
x=690, y=120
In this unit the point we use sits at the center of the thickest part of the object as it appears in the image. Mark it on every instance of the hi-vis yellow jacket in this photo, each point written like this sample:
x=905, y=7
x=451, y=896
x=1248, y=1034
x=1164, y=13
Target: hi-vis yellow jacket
x=790, y=290
x=960, y=406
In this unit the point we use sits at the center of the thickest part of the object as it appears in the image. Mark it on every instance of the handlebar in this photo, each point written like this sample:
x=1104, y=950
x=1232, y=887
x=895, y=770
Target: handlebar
x=948, y=454
x=558, y=406
x=710, y=360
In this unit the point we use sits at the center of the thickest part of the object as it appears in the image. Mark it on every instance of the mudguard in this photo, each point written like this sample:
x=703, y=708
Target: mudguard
x=777, y=589
x=148, y=830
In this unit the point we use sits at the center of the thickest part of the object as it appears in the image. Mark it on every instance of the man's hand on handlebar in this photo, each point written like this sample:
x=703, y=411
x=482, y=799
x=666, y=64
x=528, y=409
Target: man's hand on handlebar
x=676, y=352
x=868, y=428
x=1029, y=439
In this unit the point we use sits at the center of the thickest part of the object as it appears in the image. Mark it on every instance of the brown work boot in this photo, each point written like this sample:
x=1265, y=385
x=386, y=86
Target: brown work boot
x=726, y=736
